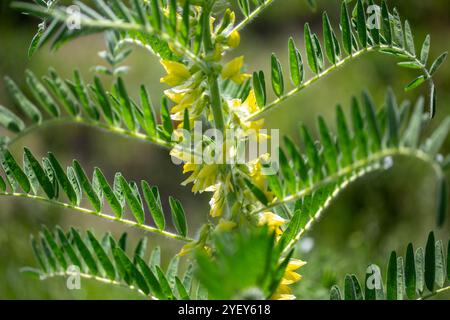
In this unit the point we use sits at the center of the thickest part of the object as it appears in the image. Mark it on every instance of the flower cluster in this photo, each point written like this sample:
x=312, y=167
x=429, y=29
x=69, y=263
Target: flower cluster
x=191, y=96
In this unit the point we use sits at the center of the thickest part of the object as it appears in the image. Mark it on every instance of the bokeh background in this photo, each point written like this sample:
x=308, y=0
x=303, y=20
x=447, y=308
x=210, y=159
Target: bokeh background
x=380, y=213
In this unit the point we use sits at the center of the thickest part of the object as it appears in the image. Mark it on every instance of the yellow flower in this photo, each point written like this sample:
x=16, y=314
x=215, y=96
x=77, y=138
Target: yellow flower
x=234, y=39
x=225, y=225
x=284, y=292
x=217, y=202
x=273, y=221
x=232, y=70
x=177, y=73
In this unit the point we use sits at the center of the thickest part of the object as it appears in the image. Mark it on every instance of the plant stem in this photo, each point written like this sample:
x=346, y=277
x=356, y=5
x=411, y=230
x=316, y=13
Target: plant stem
x=129, y=223
x=432, y=294
x=327, y=71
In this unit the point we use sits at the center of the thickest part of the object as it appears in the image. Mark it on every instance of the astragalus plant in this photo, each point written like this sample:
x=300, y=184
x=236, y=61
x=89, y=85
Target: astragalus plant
x=260, y=206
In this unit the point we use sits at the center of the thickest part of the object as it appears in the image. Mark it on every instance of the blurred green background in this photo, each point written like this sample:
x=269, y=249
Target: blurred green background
x=380, y=213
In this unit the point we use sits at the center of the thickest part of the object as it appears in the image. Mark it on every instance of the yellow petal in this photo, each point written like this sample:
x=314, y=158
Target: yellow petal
x=177, y=73
x=234, y=39
x=294, y=264
x=233, y=68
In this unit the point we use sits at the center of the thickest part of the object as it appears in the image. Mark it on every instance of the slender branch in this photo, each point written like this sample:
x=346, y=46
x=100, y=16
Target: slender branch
x=365, y=166
x=61, y=16
x=129, y=223
x=326, y=72
x=96, y=124
x=96, y=278
x=434, y=293
x=252, y=15
x=400, y=151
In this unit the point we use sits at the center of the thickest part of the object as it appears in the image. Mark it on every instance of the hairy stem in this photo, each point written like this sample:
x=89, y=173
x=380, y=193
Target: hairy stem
x=434, y=293
x=253, y=15
x=129, y=223
x=96, y=278
x=329, y=70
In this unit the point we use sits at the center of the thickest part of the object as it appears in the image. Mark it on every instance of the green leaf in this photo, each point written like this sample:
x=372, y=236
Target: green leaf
x=386, y=25
x=277, y=77
x=40, y=174
x=335, y=293
x=152, y=281
x=361, y=24
x=259, y=89
x=87, y=187
x=391, y=284
x=63, y=180
x=148, y=113
x=412, y=133
x=350, y=292
x=22, y=101
x=84, y=252
x=437, y=139
x=442, y=201
x=440, y=264
x=178, y=216
x=60, y=90
x=256, y=192
x=58, y=254
x=41, y=94
x=109, y=193
x=294, y=227
x=409, y=39
x=415, y=83
x=438, y=62
x=328, y=39
x=410, y=65
x=81, y=92
x=344, y=141
x=329, y=149
x=372, y=122
x=360, y=134
x=297, y=158
x=131, y=270
x=295, y=64
x=425, y=50
x=10, y=121
x=182, y=292
x=155, y=208
x=430, y=262
x=393, y=130
x=103, y=258
x=165, y=287
x=103, y=100
x=410, y=273
x=420, y=269
x=13, y=172
x=68, y=248
x=287, y=171
x=132, y=200
x=165, y=116
x=311, y=52
x=127, y=108
x=346, y=28
x=311, y=151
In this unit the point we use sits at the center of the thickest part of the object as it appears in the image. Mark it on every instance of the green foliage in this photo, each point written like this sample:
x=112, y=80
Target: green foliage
x=245, y=265
x=420, y=274
x=92, y=105
x=357, y=38
x=104, y=259
x=51, y=183
x=237, y=256
x=307, y=184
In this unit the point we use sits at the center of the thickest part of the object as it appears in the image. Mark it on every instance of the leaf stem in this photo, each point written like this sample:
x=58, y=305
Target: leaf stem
x=129, y=223
x=329, y=70
x=252, y=15
x=434, y=293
